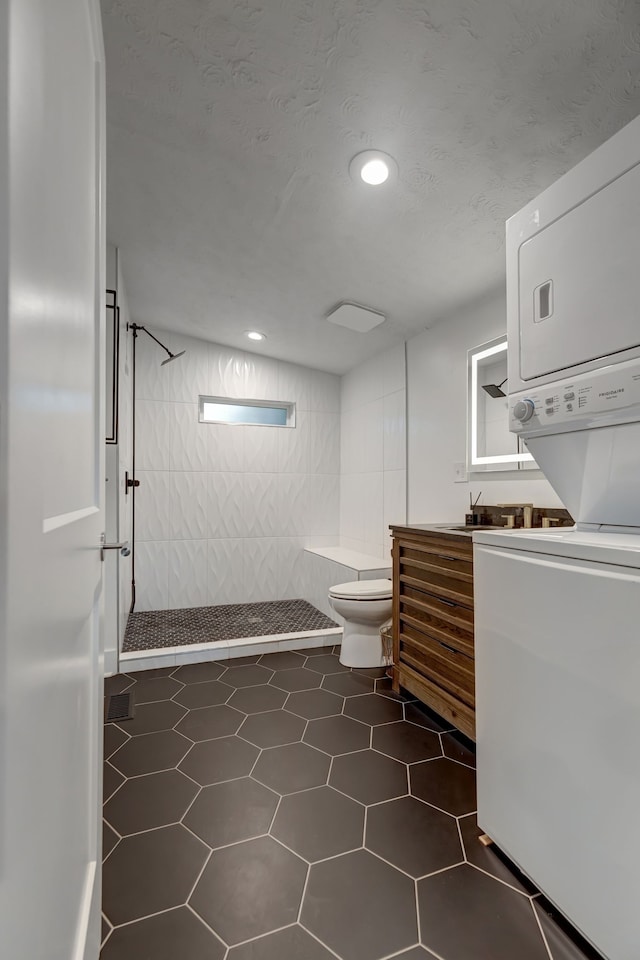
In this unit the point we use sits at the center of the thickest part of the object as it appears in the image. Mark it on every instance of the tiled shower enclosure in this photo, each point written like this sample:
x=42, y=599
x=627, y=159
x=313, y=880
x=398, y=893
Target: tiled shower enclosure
x=223, y=511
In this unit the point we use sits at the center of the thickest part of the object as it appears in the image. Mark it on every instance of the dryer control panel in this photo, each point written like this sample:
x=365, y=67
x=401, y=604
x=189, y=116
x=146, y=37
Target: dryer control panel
x=608, y=394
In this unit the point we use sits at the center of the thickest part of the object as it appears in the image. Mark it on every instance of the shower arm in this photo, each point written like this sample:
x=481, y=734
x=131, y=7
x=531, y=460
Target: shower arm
x=137, y=326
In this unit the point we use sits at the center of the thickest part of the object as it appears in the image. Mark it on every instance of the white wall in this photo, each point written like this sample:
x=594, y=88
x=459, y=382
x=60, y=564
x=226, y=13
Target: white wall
x=373, y=452
x=223, y=511
x=437, y=420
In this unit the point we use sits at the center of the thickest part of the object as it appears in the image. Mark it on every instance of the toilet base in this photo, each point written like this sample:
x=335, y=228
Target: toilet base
x=361, y=646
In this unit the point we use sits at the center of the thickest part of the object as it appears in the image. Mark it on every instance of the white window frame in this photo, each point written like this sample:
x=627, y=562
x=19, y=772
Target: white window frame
x=289, y=406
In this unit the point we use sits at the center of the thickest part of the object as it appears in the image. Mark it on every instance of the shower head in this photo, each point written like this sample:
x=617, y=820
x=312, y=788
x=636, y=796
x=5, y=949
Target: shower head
x=495, y=389
x=173, y=356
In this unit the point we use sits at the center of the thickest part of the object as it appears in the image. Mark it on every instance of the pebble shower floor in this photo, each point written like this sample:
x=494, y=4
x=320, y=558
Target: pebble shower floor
x=155, y=629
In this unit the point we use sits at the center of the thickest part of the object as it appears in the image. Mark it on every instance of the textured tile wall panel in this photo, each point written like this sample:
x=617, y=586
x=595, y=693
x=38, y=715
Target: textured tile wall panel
x=289, y=553
x=372, y=491
x=153, y=503
x=323, y=505
x=324, y=443
x=261, y=377
x=225, y=506
x=188, y=573
x=293, y=504
x=395, y=431
x=293, y=445
x=371, y=429
x=151, y=376
x=227, y=372
x=189, y=502
x=351, y=442
x=261, y=448
x=153, y=435
x=261, y=573
x=225, y=570
x=395, y=502
x=394, y=370
x=262, y=504
x=191, y=447
x=324, y=392
x=294, y=385
x=188, y=376
x=152, y=575
x=225, y=444
x=351, y=516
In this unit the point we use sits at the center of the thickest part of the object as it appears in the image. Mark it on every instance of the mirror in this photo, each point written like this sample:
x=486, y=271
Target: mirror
x=491, y=445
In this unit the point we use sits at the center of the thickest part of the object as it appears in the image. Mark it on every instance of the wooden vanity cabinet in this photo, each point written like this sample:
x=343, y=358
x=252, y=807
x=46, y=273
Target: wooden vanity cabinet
x=433, y=652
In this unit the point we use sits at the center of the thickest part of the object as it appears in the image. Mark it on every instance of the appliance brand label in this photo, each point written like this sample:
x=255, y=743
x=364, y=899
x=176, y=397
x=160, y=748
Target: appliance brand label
x=611, y=393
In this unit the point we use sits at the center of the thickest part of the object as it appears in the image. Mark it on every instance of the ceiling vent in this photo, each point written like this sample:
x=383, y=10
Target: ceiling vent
x=355, y=317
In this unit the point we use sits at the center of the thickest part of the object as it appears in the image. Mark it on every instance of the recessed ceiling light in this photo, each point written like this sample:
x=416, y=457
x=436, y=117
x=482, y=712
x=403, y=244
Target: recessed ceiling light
x=373, y=167
x=255, y=335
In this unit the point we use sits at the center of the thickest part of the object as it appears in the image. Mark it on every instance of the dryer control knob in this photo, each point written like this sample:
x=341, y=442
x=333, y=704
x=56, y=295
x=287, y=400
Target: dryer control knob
x=524, y=410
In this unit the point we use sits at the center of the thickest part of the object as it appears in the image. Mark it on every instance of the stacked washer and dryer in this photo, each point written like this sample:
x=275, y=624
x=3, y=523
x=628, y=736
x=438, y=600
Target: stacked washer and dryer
x=558, y=612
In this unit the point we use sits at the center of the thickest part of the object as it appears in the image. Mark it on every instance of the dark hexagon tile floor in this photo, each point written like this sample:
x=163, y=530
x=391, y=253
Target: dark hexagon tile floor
x=250, y=889
x=175, y=933
x=267, y=828
x=232, y=811
x=497, y=917
x=337, y=735
x=360, y=907
x=212, y=761
x=319, y=823
x=272, y=729
x=445, y=784
x=369, y=777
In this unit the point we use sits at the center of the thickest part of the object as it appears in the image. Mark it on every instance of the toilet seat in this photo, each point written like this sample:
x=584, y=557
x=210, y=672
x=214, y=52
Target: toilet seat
x=362, y=590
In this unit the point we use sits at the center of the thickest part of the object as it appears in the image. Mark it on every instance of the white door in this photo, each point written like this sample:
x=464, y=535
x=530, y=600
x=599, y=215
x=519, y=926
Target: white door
x=51, y=476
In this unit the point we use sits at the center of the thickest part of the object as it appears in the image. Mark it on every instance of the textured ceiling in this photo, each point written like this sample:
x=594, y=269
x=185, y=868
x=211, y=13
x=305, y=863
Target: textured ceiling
x=231, y=124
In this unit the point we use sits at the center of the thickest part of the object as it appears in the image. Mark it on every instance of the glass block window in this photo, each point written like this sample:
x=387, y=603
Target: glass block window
x=265, y=413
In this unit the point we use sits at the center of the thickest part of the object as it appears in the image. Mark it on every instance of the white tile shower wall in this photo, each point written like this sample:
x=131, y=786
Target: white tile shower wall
x=223, y=511
x=373, y=452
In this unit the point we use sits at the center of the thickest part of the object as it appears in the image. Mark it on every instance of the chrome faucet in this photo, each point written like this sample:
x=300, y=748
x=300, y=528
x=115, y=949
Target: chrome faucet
x=527, y=512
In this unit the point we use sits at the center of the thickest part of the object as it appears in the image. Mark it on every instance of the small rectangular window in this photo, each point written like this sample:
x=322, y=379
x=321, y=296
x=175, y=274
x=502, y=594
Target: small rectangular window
x=266, y=413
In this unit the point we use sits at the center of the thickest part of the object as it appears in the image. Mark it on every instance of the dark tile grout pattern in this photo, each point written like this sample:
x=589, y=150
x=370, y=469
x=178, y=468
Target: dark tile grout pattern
x=154, y=629
x=284, y=802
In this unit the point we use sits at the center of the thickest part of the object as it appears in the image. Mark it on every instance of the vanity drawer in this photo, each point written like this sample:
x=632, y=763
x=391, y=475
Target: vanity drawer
x=451, y=708
x=460, y=639
x=437, y=582
x=418, y=600
x=440, y=554
x=441, y=663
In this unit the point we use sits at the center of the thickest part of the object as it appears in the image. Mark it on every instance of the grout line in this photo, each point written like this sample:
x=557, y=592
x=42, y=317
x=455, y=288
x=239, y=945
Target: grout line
x=541, y=929
x=417, y=905
x=304, y=893
x=147, y=916
x=209, y=928
x=275, y=814
x=522, y=893
x=262, y=936
x=434, y=873
x=199, y=877
x=318, y=940
x=198, y=792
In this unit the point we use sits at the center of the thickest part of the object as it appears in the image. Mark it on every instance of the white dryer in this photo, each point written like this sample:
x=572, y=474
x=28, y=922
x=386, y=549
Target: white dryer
x=558, y=612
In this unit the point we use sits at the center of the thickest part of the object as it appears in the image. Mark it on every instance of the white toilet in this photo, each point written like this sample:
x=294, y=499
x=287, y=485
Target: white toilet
x=365, y=605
